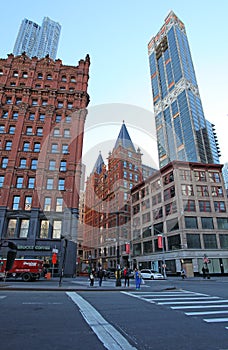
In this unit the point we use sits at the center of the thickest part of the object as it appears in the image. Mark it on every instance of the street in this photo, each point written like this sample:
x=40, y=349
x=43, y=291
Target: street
x=172, y=314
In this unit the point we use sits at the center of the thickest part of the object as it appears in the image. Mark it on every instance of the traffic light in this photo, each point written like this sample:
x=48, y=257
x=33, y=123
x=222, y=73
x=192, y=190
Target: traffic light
x=11, y=255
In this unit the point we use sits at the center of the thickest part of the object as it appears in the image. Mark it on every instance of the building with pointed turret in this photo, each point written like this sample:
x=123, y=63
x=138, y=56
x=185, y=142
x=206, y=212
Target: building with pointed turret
x=107, y=209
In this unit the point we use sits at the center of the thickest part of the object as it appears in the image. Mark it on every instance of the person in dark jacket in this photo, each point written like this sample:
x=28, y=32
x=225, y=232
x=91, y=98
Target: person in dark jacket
x=100, y=275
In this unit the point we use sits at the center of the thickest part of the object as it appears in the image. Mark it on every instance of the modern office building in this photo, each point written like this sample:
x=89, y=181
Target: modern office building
x=42, y=116
x=186, y=204
x=107, y=211
x=38, y=40
x=182, y=132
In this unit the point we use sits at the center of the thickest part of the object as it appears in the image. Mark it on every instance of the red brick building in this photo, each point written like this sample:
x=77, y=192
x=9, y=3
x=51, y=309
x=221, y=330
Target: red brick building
x=107, y=209
x=42, y=115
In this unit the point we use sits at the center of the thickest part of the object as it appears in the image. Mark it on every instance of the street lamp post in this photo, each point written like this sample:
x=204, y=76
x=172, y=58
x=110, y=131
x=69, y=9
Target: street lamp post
x=161, y=245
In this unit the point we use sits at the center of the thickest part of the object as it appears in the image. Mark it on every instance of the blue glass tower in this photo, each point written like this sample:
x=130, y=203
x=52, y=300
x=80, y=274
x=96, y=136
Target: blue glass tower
x=181, y=127
x=38, y=40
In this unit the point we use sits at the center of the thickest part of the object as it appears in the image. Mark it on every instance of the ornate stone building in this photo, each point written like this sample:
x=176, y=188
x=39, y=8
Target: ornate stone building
x=42, y=115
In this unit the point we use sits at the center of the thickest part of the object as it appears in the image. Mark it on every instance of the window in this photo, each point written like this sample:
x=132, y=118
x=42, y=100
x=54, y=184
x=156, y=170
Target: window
x=214, y=177
x=50, y=183
x=52, y=165
x=191, y=222
x=168, y=178
x=47, y=203
x=56, y=132
x=125, y=174
x=57, y=225
x=63, y=78
x=174, y=242
x=34, y=164
x=4, y=162
x=29, y=130
x=24, y=75
x=193, y=241
x=15, y=115
x=54, y=148
x=136, y=209
x=26, y=147
x=223, y=241
x=205, y=206
x=15, y=73
x=31, y=182
x=42, y=117
x=44, y=226
x=210, y=241
x=24, y=227
x=157, y=213
x=44, y=102
x=8, y=145
x=222, y=223
x=4, y=115
x=16, y=201
x=18, y=101
x=2, y=129
x=68, y=119
x=63, y=165
x=11, y=229
x=59, y=204
x=2, y=180
x=187, y=190
x=36, y=147
x=8, y=100
x=19, y=183
x=60, y=104
x=12, y=130
x=220, y=207
x=28, y=203
x=34, y=102
x=49, y=77
x=1, y=72
x=170, y=208
x=65, y=149
x=39, y=76
x=70, y=105
x=61, y=184
x=200, y=175
x=12, y=83
x=189, y=205
x=31, y=116
x=22, y=164
x=147, y=247
x=39, y=131
x=216, y=191
x=72, y=79
x=145, y=204
x=146, y=218
x=66, y=132
x=207, y=223
x=172, y=225
x=169, y=193
x=202, y=191
x=58, y=118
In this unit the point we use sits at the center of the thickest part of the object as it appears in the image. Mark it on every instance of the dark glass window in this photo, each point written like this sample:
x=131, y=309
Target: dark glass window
x=174, y=242
x=147, y=247
x=207, y=223
x=210, y=241
x=172, y=225
x=222, y=223
x=205, y=206
x=193, y=241
x=191, y=222
x=189, y=205
x=223, y=241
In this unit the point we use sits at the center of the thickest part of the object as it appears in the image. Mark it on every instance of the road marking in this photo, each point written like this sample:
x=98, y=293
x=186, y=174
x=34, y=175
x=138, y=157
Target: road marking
x=215, y=320
x=37, y=303
x=206, y=313
x=108, y=335
x=198, y=307
x=179, y=298
x=195, y=302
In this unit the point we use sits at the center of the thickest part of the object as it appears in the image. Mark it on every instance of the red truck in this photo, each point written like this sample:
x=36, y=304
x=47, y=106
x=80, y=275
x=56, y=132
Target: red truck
x=27, y=269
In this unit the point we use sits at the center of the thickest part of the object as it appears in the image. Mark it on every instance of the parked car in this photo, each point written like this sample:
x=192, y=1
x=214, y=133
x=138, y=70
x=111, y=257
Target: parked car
x=151, y=274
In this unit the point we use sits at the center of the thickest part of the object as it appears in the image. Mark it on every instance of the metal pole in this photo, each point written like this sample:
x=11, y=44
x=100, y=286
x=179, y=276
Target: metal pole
x=118, y=272
x=63, y=262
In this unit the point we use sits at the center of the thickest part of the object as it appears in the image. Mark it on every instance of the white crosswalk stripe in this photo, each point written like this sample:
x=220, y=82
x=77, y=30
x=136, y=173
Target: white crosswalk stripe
x=184, y=300
x=2, y=296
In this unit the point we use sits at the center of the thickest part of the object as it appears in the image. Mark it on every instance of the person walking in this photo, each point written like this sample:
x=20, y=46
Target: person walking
x=91, y=278
x=126, y=276
x=183, y=274
x=100, y=275
x=137, y=279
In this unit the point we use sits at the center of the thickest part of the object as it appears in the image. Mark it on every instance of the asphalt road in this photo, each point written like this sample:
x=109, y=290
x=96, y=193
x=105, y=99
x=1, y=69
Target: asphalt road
x=176, y=315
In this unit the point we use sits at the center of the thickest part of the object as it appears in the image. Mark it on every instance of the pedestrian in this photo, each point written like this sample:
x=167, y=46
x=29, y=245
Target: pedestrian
x=183, y=274
x=100, y=275
x=137, y=279
x=205, y=271
x=91, y=278
x=126, y=276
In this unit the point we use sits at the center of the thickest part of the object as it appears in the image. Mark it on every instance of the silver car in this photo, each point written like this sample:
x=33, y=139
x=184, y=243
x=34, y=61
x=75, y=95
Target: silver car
x=151, y=274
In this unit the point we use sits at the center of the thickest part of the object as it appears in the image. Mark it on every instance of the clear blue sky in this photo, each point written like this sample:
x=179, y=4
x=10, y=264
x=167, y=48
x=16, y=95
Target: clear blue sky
x=116, y=34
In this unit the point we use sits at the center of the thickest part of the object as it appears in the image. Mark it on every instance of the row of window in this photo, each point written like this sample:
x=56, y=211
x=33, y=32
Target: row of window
x=36, y=102
x=19, y=228
x=26, y=203
x=24, y=74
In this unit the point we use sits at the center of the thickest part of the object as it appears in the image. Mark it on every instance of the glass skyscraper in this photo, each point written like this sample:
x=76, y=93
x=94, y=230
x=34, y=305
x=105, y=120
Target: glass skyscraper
x=38, y=40
x=182, y=132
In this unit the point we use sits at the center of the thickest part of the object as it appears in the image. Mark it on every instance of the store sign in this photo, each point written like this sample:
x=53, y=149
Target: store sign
x=32, y=247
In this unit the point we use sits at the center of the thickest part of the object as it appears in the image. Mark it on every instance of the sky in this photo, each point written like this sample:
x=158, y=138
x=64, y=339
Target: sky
x=115, y=34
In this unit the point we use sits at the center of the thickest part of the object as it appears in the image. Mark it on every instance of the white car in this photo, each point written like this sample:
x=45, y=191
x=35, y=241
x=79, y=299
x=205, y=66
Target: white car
x=151, y=274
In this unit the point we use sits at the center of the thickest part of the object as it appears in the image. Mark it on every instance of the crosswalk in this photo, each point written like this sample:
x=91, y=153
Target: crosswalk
x=191, y=303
